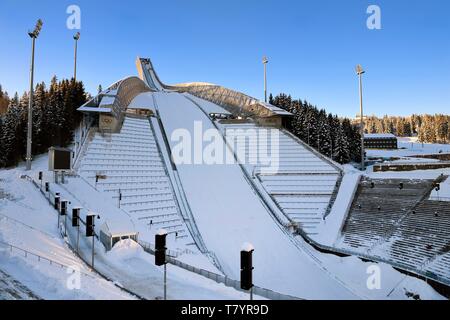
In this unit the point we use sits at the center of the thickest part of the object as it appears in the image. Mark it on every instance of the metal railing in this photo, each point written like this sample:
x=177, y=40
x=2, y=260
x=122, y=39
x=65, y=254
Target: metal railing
x=171, y=258
x=39, y=257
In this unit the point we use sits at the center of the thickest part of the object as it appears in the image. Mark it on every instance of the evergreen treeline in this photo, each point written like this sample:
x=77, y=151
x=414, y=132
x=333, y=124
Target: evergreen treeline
x=428, y=128
x=332, y=136
x=54, y=119
x=4, y=101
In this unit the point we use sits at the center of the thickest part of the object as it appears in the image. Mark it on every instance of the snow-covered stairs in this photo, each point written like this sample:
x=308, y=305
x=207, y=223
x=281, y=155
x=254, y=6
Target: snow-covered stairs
x=302, y=184
x=131, y=164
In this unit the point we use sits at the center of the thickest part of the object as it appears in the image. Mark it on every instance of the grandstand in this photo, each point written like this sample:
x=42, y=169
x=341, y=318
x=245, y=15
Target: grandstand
x=301, y=182
x=132, y=168
x=392, y=220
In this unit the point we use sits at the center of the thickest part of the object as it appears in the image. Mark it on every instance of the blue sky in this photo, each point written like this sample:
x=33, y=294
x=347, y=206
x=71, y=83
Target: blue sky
x=313, y=47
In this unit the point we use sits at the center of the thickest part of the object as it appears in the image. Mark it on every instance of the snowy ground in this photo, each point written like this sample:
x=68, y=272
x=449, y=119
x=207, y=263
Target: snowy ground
x=409, y=147
x=28, y=222
x=231, y=210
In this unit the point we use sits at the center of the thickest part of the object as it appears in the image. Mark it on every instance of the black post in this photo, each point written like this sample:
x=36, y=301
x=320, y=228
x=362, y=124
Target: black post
x=76, y=223
x=160, y=255
x=40, y=177
x=57, y=205
x=90, y=233
x=64, y=213
x=247, y=269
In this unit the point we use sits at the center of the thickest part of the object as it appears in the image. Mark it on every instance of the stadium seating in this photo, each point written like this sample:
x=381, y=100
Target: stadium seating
x=302, y=184
x=400, y=225
x=130, y=163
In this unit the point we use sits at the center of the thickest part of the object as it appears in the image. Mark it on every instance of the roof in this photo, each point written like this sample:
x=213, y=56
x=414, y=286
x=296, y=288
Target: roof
x=107, y=100
x=94, y=109
x=276, y=110
x=115, y=227
x=379, y=136
x=142, y=101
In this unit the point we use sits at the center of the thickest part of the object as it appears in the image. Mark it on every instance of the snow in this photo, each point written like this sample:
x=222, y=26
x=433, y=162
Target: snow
x=274, y=109
x=379, y=135
x=142, y=101
x=94, y=109
x=248, y=247
x=410, y=147
x=127, y=265
x=330, y=230
x=443, y=194
x=207, y=106
x=229, y=214
x=162, y=232
x=117, y=228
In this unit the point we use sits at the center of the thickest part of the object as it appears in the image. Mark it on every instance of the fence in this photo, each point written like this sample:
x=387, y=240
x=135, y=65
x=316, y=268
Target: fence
x=266, y=293
x=29, y=255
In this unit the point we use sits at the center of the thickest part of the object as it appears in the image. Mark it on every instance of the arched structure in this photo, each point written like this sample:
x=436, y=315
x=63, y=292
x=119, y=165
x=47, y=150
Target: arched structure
x=110, y=105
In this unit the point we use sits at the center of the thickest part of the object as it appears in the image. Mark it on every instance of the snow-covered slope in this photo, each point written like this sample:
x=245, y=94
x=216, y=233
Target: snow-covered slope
x=229, y=213
x=27, y=221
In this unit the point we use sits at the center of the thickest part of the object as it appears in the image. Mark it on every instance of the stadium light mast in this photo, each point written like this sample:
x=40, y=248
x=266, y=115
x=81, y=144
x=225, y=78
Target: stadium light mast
x=33, y=35
x=360, y=71
x=76, y=37
x=265, y=61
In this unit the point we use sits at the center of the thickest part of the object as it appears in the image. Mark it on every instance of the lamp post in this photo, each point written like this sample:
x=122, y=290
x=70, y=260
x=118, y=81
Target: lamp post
x=33, y=35
x=265, y=62
x=360, y=72
x=76, y=37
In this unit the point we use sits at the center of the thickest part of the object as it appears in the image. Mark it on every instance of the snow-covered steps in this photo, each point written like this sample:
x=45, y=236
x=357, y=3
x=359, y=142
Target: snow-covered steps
x=397, y=225
x=133, y=172
x=299, y=181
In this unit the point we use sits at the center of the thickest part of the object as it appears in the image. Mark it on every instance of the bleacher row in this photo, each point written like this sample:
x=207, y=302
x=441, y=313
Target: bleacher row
x=400, y=225
x=129, y=162
x=300, y=183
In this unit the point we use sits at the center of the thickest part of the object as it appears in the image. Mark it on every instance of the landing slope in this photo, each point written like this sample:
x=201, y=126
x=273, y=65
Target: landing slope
x=229, y=213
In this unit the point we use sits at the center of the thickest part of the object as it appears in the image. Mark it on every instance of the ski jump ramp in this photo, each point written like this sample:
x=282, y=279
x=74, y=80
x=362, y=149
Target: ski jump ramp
x=229, y=213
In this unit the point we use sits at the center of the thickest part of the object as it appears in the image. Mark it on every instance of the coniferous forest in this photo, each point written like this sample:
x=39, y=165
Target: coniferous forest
x=54, y=119
x=332, y=136
x=428, y=128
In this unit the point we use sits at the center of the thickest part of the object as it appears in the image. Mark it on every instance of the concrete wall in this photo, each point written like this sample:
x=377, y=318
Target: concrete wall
x=108, y=123
x=276, y=121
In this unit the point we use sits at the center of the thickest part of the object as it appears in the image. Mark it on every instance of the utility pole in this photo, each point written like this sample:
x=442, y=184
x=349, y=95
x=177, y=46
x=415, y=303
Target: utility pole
x=265, y=61
x=360, y=72
x=33, y=35
x=76, y=37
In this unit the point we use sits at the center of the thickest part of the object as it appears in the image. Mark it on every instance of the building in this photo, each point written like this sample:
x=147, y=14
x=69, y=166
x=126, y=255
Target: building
x=113, y=231
x=380, y=141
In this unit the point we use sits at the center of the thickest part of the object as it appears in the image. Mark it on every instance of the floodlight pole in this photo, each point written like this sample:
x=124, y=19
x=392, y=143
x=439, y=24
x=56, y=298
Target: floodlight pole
x=360, y=72
x=33, y=35
x=265, y=61
x=76, y=37
x=30, y=104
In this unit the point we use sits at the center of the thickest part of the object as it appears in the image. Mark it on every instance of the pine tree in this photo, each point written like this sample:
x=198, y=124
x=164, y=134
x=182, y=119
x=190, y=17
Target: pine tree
x=11, y=132
x=341, y=152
